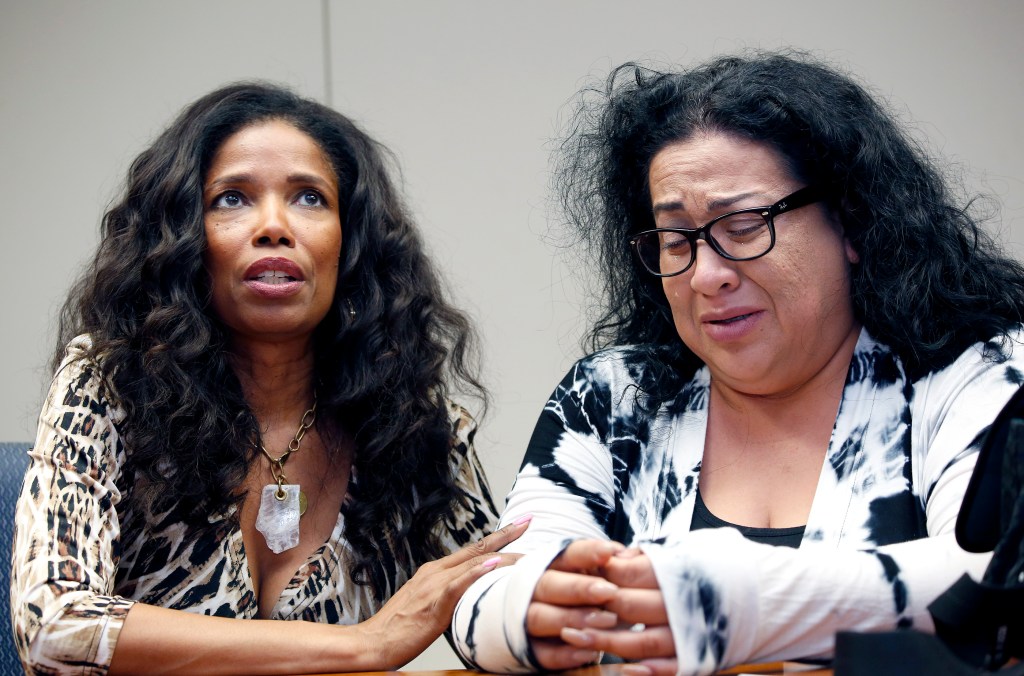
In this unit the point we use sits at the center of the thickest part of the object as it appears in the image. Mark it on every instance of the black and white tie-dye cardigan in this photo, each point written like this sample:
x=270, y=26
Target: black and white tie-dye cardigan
x=878, y=545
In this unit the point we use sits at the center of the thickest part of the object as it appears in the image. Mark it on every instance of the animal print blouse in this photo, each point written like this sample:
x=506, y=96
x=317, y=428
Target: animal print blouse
x=878, y=544
x=82, y=555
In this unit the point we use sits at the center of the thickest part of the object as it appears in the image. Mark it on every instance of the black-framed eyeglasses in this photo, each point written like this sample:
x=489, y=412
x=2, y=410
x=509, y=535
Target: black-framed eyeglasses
x=741, y=235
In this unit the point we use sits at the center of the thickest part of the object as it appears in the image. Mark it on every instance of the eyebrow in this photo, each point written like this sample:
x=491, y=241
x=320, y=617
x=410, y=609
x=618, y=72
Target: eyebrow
x=310, y=178
x=713, y=205
x=234, y=179
x=228, y=180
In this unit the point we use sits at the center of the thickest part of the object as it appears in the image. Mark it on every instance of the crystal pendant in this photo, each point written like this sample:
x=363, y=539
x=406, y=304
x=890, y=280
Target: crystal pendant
x=278, y=519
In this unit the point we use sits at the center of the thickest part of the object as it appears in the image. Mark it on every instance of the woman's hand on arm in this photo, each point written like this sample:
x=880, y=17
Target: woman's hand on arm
x=422, y=609
x=173, y=641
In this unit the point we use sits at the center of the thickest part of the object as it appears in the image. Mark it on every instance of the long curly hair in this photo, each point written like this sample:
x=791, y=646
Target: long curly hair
x=387, y=354
x=930, y=282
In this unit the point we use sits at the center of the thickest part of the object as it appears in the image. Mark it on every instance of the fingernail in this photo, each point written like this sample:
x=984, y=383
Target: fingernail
x=576, y=637
x=601, y=619
x=630, y=553
x=635, y=670
x=603, y=588
x=491, y=562
x=584, y=656
x=525, y=518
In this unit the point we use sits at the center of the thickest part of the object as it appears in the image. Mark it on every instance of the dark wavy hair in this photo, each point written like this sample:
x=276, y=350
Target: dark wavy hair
x=929, y=282
x=383, y=374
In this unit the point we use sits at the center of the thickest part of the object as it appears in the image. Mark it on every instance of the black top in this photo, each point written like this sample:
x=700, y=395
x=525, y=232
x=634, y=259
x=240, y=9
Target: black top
x=783, y=537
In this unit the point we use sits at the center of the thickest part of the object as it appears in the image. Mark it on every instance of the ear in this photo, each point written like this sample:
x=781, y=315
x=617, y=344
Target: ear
x=851, y=253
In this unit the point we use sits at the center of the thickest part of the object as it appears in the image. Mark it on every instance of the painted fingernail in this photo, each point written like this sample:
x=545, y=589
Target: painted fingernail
x=576, y=637
x=603, y=588
x=601, y=619
x=635, y=670
x=491, y=562
x=525, y=518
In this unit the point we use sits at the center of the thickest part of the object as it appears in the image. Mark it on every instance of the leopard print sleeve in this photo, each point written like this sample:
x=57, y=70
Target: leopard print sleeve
x=66, y=541
x=475, y=516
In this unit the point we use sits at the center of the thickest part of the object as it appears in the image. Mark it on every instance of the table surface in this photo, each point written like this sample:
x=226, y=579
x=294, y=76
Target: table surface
x=770, y=669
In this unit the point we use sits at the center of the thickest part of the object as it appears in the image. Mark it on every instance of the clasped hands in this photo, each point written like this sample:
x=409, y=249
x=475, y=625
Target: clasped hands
x=600, y=596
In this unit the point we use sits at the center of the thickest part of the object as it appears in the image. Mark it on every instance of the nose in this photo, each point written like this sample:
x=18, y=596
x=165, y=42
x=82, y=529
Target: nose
x=274, y=227
x=711, y=274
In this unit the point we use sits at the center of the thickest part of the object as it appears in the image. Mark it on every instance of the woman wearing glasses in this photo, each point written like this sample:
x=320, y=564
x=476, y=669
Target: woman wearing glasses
x=810, y=337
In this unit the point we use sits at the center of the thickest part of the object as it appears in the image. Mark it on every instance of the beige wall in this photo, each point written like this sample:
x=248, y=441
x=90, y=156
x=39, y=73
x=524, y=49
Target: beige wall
x=469, y=95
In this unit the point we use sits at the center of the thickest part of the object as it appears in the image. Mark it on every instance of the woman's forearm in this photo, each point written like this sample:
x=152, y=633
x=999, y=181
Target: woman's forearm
x=160, y=640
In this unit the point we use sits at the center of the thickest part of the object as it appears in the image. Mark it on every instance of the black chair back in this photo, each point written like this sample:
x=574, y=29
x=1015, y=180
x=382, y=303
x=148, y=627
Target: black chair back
x=13, y=461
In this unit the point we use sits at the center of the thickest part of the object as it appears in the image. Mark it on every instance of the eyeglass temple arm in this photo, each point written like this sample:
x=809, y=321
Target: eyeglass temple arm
x=802, y=197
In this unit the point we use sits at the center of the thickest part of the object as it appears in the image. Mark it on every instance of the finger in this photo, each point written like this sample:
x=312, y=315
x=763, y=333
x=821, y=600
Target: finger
x=484, y=563
x=639, y=605
x=554, y=655
x=491, y=543
x=662, y=667
x=629, y=553
x=651, y=642
x=632, y=570
x=447, y=585
x=586, y=555
x=546, y=620
x=573, y=589
x=507, y=534
x=659, y=667
x=455, y=581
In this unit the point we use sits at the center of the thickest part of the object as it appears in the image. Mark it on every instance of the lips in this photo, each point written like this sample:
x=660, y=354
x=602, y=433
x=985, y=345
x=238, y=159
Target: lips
x=731, y=324
x=728, y=315
x=274, y=271
x=274, y=278
x=731, y=320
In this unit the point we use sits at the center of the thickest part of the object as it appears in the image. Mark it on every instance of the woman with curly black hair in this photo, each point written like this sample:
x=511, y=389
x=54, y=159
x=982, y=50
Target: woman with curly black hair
x=250, y=416
x=804, y=338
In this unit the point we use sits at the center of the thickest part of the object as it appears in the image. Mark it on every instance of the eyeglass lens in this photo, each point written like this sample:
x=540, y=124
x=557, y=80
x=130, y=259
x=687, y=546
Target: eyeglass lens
x=738, y=236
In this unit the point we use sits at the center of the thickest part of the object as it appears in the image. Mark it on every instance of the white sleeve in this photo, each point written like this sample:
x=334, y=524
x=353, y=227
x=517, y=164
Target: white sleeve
x=489, y=625
x=953, y=409
x=567, y=503
x=731, y=600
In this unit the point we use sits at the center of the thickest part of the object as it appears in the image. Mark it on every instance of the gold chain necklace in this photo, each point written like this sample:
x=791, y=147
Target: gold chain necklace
x=277, y=464
x=281, y=503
